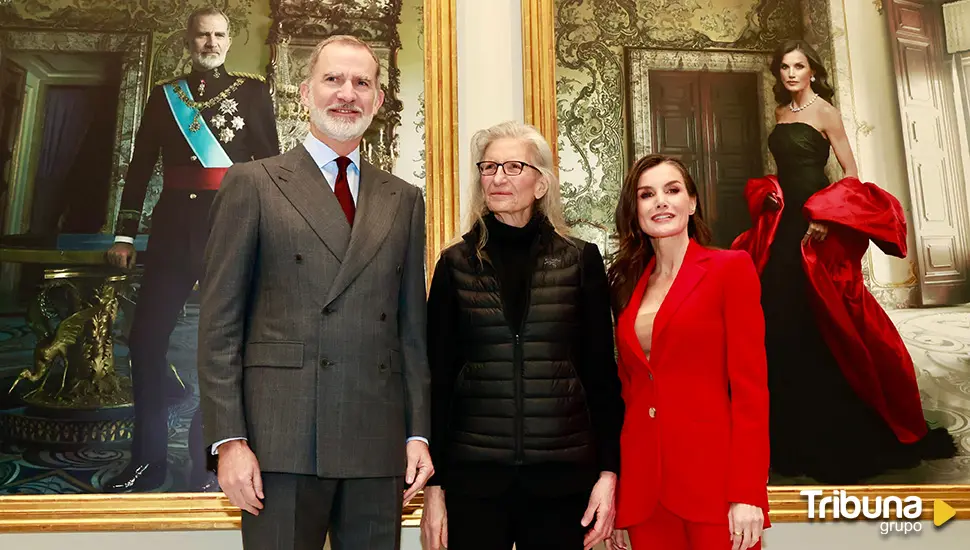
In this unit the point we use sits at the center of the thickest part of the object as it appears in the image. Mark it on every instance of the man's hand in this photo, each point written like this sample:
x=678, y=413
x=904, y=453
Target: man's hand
x=121, y=255
x=419, y=468
x=239, y=476
x=601, y=505
x=434, y=519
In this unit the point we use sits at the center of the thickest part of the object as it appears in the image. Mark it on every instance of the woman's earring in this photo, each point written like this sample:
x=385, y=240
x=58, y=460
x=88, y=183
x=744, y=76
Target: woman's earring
x=813, y=79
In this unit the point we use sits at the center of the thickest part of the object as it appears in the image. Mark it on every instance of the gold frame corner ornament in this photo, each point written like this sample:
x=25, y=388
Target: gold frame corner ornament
x=539, y=70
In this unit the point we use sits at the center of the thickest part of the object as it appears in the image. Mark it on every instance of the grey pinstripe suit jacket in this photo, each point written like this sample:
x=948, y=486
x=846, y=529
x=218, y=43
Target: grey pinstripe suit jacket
x=312, y=334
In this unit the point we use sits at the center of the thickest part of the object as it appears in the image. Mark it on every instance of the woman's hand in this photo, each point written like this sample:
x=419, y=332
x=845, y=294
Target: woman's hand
x=617, y=541
x=772, y=203
x=746, y=523
x=601, y=505
x=434, y=519
x=815, y=231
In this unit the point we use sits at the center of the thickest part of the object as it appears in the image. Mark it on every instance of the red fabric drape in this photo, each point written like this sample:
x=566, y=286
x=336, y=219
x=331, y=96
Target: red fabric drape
x=861, y=335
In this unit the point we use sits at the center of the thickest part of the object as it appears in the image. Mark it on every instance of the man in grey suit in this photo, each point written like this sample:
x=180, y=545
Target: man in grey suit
x=312, y=358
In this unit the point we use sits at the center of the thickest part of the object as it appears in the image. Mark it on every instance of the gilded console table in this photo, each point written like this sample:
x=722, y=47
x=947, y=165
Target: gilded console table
x=71, y=393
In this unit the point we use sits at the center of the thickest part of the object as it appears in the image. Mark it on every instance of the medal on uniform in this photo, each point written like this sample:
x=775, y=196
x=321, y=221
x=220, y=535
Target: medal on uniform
x=227, y=107
x=201, y=87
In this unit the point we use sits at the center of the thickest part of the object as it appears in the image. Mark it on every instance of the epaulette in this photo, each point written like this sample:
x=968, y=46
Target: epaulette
x=254, y=76
x=170, y=79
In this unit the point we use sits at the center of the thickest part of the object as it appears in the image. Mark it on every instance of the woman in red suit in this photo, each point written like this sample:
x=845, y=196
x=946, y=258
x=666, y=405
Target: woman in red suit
x=694, y=451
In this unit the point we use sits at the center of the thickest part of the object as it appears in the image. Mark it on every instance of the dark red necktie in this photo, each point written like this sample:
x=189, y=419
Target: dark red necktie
x=342, y=189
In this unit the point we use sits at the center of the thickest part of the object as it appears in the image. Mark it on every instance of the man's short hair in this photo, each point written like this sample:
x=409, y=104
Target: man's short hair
x=205, y=12
x=347, y=40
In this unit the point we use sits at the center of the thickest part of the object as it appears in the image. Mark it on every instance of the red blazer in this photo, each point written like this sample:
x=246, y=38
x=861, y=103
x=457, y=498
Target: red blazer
x=686, y=442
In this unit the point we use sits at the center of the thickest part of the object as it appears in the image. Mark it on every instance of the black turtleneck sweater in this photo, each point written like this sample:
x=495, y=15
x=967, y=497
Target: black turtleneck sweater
x=512, y=251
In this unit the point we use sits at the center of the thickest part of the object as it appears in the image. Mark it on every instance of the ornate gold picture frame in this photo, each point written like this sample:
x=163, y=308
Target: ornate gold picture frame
x=787, y=504
x=201, y=511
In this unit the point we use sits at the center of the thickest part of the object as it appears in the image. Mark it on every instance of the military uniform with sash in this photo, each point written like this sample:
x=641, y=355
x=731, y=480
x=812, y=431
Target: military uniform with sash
x=201, y=123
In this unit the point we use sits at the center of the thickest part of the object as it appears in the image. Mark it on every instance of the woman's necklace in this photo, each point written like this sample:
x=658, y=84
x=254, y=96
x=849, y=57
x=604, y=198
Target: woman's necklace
x=805, y=106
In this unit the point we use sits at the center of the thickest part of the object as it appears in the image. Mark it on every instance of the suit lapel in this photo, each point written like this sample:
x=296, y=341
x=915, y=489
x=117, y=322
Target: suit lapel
x=629, y=318
x=692, y=271
x=376, y=205
x=302, y=182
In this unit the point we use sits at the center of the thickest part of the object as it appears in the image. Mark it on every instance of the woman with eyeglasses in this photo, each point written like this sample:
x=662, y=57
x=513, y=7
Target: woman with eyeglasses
x=526, y=406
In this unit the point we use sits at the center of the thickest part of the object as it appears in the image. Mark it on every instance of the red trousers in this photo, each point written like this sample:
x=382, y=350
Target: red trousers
x=667, y=531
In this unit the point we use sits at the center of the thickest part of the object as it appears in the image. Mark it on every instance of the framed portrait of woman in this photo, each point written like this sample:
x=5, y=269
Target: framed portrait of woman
x=818, y=94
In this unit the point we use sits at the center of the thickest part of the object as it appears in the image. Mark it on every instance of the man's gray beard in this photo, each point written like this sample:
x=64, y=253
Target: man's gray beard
x=207, y=62
x=338, y=130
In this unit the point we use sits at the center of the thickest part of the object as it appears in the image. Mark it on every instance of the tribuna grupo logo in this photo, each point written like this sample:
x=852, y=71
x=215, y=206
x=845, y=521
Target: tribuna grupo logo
x=906, y=511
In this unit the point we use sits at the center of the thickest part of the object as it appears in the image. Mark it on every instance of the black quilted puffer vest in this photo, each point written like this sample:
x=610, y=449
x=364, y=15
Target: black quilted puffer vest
x=518, y=398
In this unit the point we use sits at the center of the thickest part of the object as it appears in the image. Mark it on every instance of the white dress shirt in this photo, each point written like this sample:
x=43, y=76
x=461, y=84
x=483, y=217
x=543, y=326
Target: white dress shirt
x=326, y=159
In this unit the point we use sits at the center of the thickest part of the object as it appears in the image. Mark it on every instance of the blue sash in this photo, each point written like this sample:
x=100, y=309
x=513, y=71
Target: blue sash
x=202, y=141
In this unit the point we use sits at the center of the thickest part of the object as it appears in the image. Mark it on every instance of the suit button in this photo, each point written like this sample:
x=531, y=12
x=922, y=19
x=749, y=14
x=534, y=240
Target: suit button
x=382, y=367
x=193, y=196
x=193, y=157
x=652, y=412
x=326, y=363
x=650, y=375
x=383, y=316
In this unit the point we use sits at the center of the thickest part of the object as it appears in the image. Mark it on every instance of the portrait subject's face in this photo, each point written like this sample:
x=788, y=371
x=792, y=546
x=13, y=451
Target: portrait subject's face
x=663, y=204
x=514, y=193
x=209, y=41
x=795, y=72
x=343, y=93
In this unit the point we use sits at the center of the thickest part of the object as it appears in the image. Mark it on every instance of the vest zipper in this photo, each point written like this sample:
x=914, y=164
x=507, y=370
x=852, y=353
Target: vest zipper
x=518, y=367
x=518, y=364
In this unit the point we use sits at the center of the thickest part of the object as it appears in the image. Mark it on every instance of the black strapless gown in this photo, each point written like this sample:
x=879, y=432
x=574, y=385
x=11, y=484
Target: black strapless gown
x=819, y=426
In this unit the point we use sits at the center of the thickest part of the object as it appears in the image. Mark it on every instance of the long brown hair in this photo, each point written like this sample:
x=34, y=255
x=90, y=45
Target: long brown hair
x=635, y=251
x=820, y=85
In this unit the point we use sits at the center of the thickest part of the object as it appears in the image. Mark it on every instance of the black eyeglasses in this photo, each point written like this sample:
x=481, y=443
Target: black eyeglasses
x=510, y=167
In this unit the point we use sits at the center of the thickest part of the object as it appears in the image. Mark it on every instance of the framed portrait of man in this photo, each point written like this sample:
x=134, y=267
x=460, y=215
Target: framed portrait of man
x=86, y=148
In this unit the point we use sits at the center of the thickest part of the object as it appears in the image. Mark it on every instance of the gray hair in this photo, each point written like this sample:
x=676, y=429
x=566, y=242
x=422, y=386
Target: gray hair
x=204, y=12
x=550, y=205
x=348, y=40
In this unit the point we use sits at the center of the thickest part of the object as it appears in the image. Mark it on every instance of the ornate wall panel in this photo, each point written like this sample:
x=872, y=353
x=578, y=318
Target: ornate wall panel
x=591, y=38
x=298, y=25
x=835, y=51
x=641, y=62
x=133, y=48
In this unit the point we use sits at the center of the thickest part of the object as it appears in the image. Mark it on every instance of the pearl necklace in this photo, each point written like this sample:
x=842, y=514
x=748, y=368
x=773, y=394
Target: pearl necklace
x=805, y=106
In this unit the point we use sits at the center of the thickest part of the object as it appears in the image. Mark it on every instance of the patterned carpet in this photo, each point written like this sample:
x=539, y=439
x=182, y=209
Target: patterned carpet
x=938, y=339
x=29, y=469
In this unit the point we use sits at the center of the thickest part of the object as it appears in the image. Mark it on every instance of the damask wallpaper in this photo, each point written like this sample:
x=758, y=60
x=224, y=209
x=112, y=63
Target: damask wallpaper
x=593, y=80
x=605, y=49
